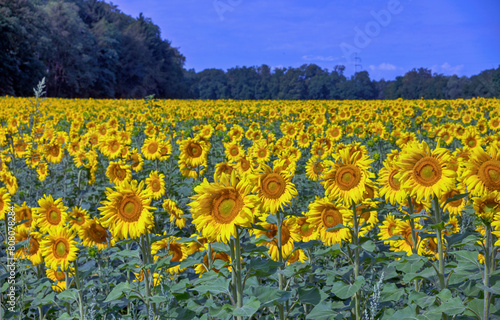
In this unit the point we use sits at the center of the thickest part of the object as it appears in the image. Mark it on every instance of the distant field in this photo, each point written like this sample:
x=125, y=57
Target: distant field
x=175, y=209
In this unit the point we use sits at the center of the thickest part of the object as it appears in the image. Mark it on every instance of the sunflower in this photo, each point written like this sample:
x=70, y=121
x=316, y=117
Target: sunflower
x=136, y=160
x=53, y=152
x=323, y=214
x=424, y=172
x=59, y=248
x=289, y=234
x=454, y=207
x=388, y=229
x=4, y=202
x=303, y=140
x=482, y=172
x=221, y=256
x=471, y=138
x=165, y=150
x=42, y=171
x=111, y=147
x=151, y=149
x=236, y=133
x=334, y=133
x=487, y=207
x=194, y=152
x=260, y=152
x=220, y=206
x=403, y=228
x=346, y=180
x=10, y=182
x=428, y=247
x=93, y=233
x=306, y=229
x=315, y=168
x=179, y=252
x=118, y=172
x=233, y=151
x=155, y=184
x=32, y=250
x=23, y=212
x=51, y=214
x=175, y=213
x=390, y=186
x=494, y=123
x=451, y=226
x=127, y=212
x=296, y=255
x=274, y=188
x=59, y=278
x=77, y=218
x=367, y=217
x=243, y=166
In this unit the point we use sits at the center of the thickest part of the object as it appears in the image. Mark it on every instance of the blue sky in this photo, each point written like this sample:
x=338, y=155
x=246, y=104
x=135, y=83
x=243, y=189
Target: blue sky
x=390, y=37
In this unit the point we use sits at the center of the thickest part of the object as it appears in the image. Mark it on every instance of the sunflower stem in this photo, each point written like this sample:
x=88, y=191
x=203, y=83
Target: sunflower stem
x=68, y=309
x=439, y=243
x=413, y=236
x=281, y=279
x=487, y=268
x=356, y=260
x=239, y=286
x=233, y=270
x=78, y=287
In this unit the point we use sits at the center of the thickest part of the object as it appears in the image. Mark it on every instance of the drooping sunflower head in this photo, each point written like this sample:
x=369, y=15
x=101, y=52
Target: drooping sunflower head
x=127, y=212
x=487, y=206
x=175, y=213
x=289, y=234
x=4, y=202
x=169, y=247
x=31, y=250
x=94, y=234
x=78, y=217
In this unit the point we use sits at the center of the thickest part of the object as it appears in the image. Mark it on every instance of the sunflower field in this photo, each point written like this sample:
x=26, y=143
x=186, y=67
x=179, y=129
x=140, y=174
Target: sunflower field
x=176, y=209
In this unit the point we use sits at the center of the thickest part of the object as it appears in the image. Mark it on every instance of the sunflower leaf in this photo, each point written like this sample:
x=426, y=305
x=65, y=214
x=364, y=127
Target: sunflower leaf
x=121, y=289
x=455, y=198
x=337, y=227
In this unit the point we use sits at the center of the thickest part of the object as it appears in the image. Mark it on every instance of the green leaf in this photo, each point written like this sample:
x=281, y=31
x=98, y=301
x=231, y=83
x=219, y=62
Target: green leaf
x=269, y=296
x=219, y=285
x=248, y=309
x=369, y=246
x=452, y=306
x=312, y=296
x=121, y=289
x=467, y=258
x=455, y=198
x=71, y=294
x=335, y=228
x=391, y=293
x=344, y=291
x=322, y=311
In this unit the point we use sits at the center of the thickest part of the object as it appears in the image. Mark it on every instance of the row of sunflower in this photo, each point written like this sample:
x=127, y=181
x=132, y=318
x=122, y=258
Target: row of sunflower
x=245, y=171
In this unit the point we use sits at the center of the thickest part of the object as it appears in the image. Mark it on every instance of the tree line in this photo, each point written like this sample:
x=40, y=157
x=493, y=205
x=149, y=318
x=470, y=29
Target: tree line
x=89, y=48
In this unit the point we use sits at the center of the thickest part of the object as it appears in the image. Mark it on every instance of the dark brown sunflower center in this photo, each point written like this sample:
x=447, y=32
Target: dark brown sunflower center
x=120, y=173
x=130, y=208
x=155, y=185
x=455, y=203
x=318, y=168
x=234, y=151
x=176, y=251
x=79, y=218
x=331, y=217
x=34, y=246
x=348, y=177
x=226, y=207
x=273, y=186
x=489, y=174
x=54, y=150
x=114, y=146
x=97, y=233
x=60, y=248
x=194, y=150
x=152, y=147
x=245, y=164
x=427, y=171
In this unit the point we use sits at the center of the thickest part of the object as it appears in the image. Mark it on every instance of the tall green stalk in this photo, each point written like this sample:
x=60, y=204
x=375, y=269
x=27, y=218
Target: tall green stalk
x=281, y=279
x=488, y=257
x=356, y=260
x=414, y=241
x=80, y=295
x=439, y=240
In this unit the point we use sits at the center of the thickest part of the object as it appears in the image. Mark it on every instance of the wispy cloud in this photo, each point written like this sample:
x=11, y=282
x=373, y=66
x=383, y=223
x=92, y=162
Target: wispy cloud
x=384, y=66
x=319, y=58
x=447, y=68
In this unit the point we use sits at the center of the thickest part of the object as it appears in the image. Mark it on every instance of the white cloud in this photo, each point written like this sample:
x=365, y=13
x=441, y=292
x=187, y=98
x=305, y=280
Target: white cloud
x=447, y=68
x=319, y=58
x=383, y=67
